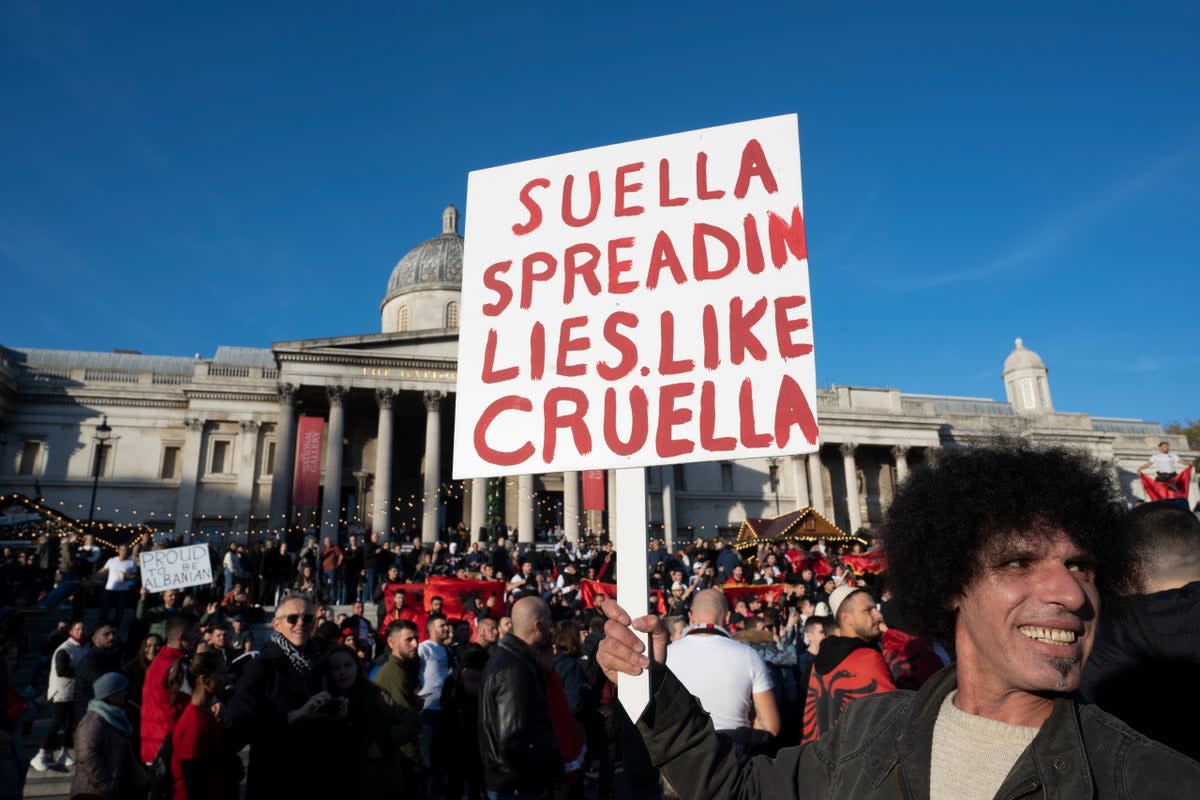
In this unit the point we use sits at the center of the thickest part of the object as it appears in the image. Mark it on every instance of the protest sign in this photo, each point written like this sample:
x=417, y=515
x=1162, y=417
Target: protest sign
x=175, y=567
x=642, y=303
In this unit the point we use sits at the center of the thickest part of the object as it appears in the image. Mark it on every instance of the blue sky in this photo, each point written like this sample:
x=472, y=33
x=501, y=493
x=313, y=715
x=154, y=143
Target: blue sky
x=175, y=178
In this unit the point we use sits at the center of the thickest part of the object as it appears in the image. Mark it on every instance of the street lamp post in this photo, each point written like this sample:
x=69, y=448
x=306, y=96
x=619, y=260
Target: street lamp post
x=102, y=435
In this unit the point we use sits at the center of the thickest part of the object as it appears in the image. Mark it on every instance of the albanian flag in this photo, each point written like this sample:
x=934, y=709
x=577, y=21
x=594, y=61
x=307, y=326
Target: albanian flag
x=1173, y=489
x=593, y=591
x=769, y=594
x=873, y=562
x=461, y=599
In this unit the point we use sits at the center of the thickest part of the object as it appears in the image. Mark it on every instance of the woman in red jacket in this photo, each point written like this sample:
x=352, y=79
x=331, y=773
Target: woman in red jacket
x=198, y=760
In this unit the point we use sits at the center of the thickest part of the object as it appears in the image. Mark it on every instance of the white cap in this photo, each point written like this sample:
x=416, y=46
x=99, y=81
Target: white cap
x=838, y=596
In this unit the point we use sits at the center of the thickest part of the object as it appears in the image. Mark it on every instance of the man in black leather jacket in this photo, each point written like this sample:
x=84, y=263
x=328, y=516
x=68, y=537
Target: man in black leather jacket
x=521, y=756
x=1005, y=550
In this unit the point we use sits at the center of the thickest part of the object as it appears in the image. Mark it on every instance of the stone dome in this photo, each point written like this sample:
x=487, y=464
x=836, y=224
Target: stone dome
x=1020, y=358
x=433, y=264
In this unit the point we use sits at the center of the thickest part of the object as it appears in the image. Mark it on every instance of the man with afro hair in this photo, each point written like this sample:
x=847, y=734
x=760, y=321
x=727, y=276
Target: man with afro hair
x=1007, y=552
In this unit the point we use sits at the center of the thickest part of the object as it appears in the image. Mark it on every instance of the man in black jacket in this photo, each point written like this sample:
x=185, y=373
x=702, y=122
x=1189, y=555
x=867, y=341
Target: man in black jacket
x=278, y=707
x=1147, y=655
x=102, y=657
x=1008, y=550
x=521, y=755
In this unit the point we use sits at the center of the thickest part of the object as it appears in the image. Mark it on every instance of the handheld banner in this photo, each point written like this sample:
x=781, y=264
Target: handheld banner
x=175, y=568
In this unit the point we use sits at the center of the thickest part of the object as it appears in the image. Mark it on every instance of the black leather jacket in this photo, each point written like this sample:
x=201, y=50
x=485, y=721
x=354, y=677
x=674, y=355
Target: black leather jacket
x=882, y=746
x=516, y=735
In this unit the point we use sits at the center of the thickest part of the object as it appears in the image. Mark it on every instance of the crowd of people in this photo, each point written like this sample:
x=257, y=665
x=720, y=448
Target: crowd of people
x=505, y=693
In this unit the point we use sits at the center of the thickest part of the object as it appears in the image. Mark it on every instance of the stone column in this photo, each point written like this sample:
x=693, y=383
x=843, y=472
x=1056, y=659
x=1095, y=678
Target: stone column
x=331, y=497
x=247, y=456
x=381, y=515
x=852, y=499
x=900, y=453
x=432, y=465
x=801, y=481
x=668, y=506
x=816, y=483
x=285, y=454
x=525, y=508
x=189, y=477
x=478, y=507
x=571, y=506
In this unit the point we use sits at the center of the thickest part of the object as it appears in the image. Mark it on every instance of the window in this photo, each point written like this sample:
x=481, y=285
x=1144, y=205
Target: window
x=220, y=457
x=103, y=463
x=170, y=462
x=726, y=477
x=29, y=458
x=402, y=320
x=1027, y=393
x=452, y=315
x=268, y=462
x=679, y=477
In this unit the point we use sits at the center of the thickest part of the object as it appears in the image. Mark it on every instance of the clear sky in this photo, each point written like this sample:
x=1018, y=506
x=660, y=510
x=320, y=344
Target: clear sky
x=174, y=178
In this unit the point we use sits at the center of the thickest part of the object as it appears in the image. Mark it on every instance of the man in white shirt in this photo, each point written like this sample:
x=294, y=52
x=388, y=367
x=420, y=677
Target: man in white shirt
x=728, y=678
x=435, y=655
x=120, y=572
x=1166, y=464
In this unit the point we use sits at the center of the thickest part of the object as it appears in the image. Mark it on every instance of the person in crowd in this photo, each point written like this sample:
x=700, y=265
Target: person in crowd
x=815, y=630
x=155, y=616
x=135, y=669
x=436, y=663
x=487, y=633
x=365, y=738
x=354, y=561
x=276, y=705
x=106, y=768
x=728, y=677
x=1165, y=463
x=162, y=700
x=60, y=692
x=200, y=765
x=517, y=739
x=357, y=622
x=1007, y=549
x=241, y=640
x=332, y=559
x=103, y=657
x=120, y=573
x=1149, y=645
x=308, y=586
x=849, y=664
x=399, y=677
x=577, y=691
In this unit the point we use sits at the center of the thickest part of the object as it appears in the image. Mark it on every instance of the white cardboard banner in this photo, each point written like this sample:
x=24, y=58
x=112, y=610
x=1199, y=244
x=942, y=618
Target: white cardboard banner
x=175, y=567
x=638, y=304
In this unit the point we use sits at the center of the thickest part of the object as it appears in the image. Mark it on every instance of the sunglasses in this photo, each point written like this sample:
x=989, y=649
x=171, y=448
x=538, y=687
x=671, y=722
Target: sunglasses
x=292, y=619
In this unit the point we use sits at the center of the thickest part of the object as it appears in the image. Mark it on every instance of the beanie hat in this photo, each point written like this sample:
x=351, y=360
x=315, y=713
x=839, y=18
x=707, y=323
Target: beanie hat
x=109, y=684
x=838, y=596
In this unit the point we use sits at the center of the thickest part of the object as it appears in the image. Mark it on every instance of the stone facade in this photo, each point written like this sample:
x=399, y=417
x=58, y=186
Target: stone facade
x=199, y=444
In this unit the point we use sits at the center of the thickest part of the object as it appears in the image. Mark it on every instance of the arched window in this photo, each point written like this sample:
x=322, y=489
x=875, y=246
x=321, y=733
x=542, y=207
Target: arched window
x=1027, y=393
x=402, y=322
x=452, y=314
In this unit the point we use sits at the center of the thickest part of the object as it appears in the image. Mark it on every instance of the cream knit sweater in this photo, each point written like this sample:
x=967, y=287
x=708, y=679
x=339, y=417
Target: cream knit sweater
x=972, y=755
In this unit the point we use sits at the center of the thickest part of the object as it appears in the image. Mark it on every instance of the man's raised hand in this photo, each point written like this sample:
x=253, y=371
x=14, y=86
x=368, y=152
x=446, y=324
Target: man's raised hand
x=621, y=650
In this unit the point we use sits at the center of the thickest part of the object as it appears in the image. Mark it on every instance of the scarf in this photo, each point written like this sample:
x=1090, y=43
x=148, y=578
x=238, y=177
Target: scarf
x=303, y=661
x=566, y=729
x=113, y=715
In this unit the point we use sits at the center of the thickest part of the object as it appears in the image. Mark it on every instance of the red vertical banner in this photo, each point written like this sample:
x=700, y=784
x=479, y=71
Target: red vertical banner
x=308, y=461
x=593, y=490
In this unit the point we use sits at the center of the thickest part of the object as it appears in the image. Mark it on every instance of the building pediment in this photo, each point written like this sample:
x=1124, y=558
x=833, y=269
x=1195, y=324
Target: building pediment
x=375, y=349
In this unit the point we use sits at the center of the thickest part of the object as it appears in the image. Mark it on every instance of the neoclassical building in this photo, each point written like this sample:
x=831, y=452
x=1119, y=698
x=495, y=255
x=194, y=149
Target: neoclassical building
x=209, y=445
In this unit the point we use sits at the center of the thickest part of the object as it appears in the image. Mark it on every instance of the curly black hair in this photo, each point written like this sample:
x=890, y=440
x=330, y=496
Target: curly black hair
x=948, y=511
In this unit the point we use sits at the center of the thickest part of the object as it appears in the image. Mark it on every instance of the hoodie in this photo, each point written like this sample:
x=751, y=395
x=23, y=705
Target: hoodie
x=845, y=669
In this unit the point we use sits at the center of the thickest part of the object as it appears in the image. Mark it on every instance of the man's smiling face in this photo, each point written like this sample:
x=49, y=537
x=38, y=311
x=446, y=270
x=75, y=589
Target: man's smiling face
x=1027, y=622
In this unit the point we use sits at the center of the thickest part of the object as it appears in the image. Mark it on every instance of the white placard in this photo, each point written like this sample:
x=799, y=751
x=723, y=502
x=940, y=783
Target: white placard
x=175, y=567
x=643, y=303
x=633, y=589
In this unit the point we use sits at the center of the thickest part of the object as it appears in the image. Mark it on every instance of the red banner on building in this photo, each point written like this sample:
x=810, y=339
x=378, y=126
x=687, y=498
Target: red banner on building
x=593, y=490
x=308, y=461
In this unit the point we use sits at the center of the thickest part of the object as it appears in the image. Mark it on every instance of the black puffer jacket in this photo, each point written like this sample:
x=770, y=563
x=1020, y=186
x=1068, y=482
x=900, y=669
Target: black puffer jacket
x=516, y=734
